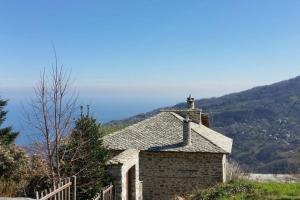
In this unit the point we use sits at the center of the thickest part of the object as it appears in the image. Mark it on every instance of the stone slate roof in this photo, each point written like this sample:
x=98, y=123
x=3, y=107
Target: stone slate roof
x=164, y=132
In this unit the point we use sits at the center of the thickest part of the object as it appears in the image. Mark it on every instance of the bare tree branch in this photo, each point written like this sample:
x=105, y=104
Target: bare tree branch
x=51, y=114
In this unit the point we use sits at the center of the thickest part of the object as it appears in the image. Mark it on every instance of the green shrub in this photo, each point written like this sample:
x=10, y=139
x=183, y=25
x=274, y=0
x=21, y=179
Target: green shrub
x=13, y=170
x=38, y=176
x=249, y=190
x=240, y=188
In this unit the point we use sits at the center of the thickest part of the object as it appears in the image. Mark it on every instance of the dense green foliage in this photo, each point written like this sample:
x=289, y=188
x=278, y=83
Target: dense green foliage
x=13, y=160
x=264, y=123
x=7, y=136
x=13, y=170
x=249, y=190
x=85, y=157
x=13, y=163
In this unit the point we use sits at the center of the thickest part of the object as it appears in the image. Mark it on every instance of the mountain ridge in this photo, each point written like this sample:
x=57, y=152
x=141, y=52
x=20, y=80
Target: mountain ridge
x=263, y=121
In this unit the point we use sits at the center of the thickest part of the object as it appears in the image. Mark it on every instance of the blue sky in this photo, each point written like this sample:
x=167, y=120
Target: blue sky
x=150, y=49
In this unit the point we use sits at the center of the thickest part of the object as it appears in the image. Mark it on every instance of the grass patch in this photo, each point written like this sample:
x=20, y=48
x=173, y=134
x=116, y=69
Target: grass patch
x=250, y=190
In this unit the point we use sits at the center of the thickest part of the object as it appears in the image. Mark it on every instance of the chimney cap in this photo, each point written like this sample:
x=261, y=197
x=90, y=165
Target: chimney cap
x=190, y=98
x=190, y=102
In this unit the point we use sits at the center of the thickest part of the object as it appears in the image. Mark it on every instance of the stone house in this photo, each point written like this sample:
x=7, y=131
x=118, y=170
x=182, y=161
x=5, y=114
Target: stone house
x=166, y=155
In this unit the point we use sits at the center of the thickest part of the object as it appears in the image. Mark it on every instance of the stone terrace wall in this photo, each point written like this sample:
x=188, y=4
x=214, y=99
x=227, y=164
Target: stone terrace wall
x=166, y=174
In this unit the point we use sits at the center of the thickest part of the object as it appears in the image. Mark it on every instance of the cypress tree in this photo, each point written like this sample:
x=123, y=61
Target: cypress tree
x=7, y=136
x=85, y=156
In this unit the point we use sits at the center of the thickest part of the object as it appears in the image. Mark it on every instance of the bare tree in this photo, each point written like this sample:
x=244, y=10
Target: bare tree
x=51, y=115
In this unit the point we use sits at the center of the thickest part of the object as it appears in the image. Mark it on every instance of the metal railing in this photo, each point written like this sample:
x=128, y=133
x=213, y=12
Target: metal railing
x=64, y=189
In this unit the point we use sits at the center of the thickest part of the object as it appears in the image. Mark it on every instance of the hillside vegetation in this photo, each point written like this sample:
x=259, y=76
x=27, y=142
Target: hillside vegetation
x=264, y=123
x=249, y=190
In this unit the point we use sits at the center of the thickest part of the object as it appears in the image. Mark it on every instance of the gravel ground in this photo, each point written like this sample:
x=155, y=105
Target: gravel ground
x=275, y=177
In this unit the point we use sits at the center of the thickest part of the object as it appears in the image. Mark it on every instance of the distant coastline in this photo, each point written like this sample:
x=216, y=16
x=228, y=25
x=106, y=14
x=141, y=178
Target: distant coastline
x=103, y=111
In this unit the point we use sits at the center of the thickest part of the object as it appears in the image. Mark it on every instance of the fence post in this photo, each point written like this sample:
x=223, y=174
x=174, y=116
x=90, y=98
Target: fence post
x=102, y=191
x=74, y=185
x=37, y=195
x=69, y=190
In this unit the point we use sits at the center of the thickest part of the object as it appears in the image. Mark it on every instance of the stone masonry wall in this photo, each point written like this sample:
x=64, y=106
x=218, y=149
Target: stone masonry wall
x=166, y=174
x=118, y=167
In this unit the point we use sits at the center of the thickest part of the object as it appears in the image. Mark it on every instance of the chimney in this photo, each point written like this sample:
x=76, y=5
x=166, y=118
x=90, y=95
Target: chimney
x=187, y=139
x=190, y=102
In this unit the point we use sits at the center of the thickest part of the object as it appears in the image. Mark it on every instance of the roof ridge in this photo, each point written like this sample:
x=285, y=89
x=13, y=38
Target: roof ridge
x=181, y=119
x=215, y=132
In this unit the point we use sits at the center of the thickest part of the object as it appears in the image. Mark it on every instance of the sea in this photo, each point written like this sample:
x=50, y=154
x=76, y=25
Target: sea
x=103, y=109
